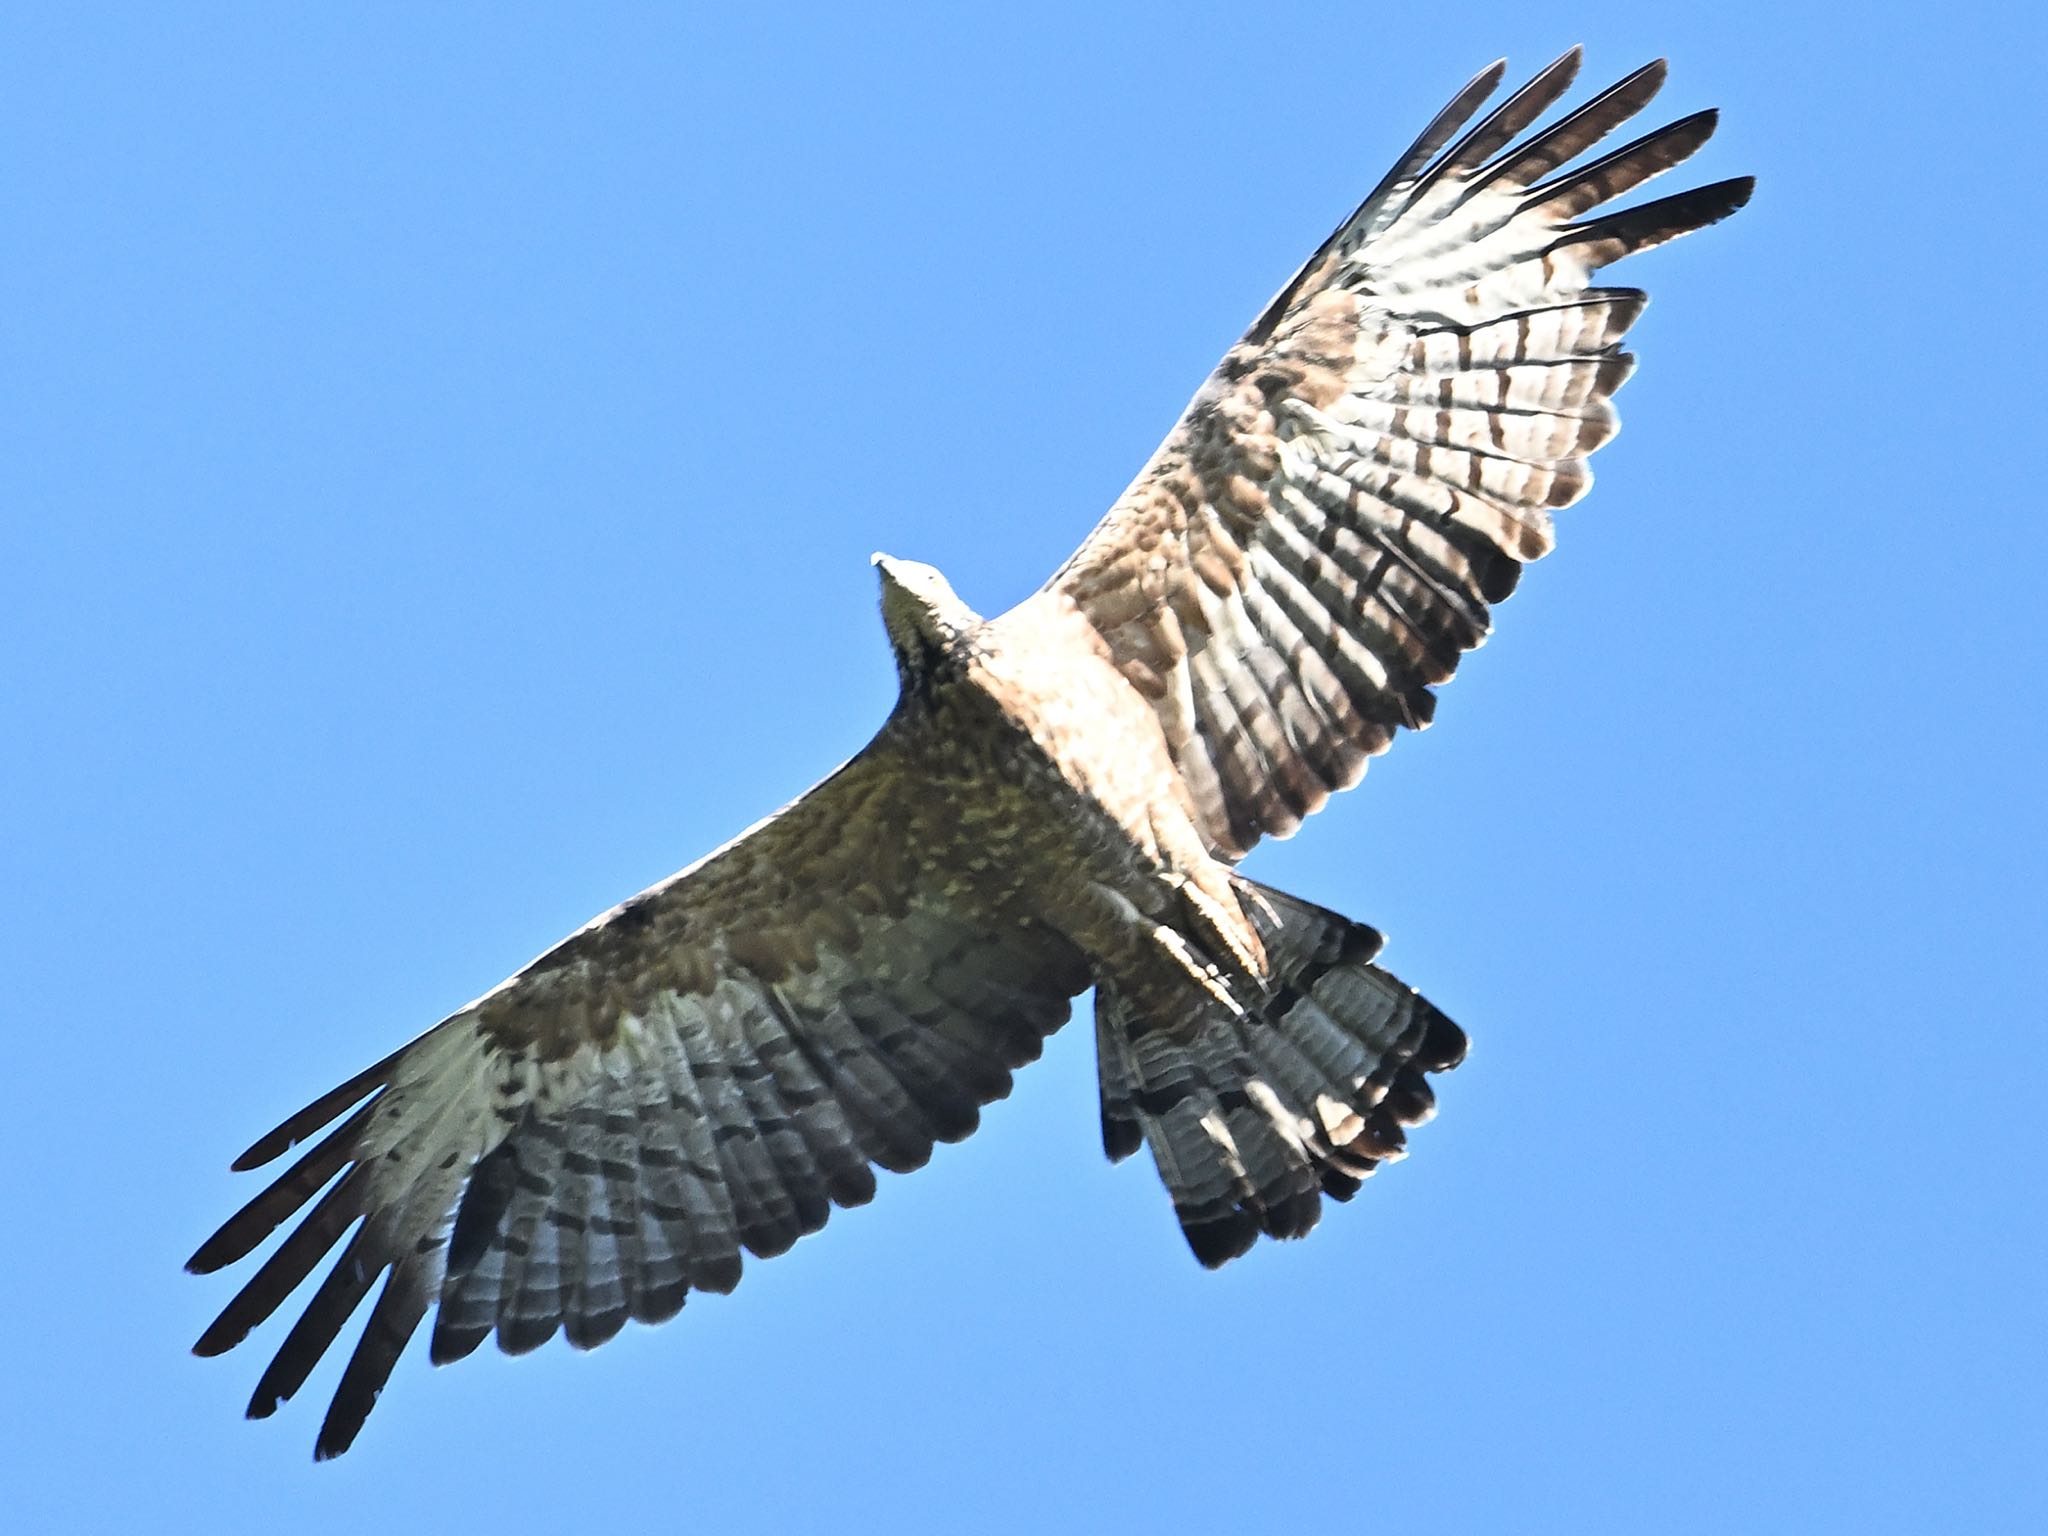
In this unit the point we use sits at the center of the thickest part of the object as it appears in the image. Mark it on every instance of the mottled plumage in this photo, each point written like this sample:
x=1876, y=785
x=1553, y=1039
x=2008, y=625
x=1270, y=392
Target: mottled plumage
x=1058, y=801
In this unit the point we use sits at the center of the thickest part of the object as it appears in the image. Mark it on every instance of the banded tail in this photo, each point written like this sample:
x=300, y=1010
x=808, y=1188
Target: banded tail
x=1255, y=1112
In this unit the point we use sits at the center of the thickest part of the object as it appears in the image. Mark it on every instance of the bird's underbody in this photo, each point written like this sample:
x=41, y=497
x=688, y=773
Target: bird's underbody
x=1059, y=801
x=1028, y=828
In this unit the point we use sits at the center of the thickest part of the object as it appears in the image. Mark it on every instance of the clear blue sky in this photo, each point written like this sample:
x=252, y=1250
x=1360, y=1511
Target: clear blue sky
x=440, y=453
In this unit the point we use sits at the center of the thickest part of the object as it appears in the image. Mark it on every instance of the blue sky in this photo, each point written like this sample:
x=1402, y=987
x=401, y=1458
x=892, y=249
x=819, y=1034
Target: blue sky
x=440, y=457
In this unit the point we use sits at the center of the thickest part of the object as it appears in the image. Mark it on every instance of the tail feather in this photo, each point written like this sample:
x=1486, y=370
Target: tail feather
x=1118, y=1080
x=1166, y=1089
x=1255, y=1113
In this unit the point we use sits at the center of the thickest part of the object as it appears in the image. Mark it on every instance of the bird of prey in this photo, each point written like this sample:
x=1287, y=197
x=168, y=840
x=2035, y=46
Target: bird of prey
x=1059, y=800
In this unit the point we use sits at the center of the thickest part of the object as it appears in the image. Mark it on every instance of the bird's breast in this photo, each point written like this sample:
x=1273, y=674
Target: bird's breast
x=1051, y=775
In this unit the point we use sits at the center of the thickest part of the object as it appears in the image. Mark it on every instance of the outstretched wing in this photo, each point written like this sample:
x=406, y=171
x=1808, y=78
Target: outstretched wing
x=711, y=1066
x=1319, y=539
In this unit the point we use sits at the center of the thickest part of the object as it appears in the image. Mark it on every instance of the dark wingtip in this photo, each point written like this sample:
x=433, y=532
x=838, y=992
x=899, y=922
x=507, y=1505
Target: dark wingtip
x=216, y=1341
x=317, y=1114
x=448, y=1344
x=1558, y=75
x=216, y=1253
x=1718, y=199
x=347, y=1415
x=1648, y=79
x=1619, y=235
x=1678, y=140
x=1685, y=212
x=270, y=1147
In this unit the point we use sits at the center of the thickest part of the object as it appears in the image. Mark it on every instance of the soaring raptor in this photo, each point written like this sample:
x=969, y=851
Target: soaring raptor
x=1058, y=801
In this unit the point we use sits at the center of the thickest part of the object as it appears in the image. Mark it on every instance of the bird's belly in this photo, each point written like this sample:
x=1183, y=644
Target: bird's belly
x=1056, y=788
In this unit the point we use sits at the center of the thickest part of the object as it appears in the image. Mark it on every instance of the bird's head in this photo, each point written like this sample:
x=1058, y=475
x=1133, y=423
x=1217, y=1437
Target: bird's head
x=925, y=618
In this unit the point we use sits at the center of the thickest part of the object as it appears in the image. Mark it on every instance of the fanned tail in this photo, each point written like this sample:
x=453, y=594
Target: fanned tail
x=1254, y=1112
